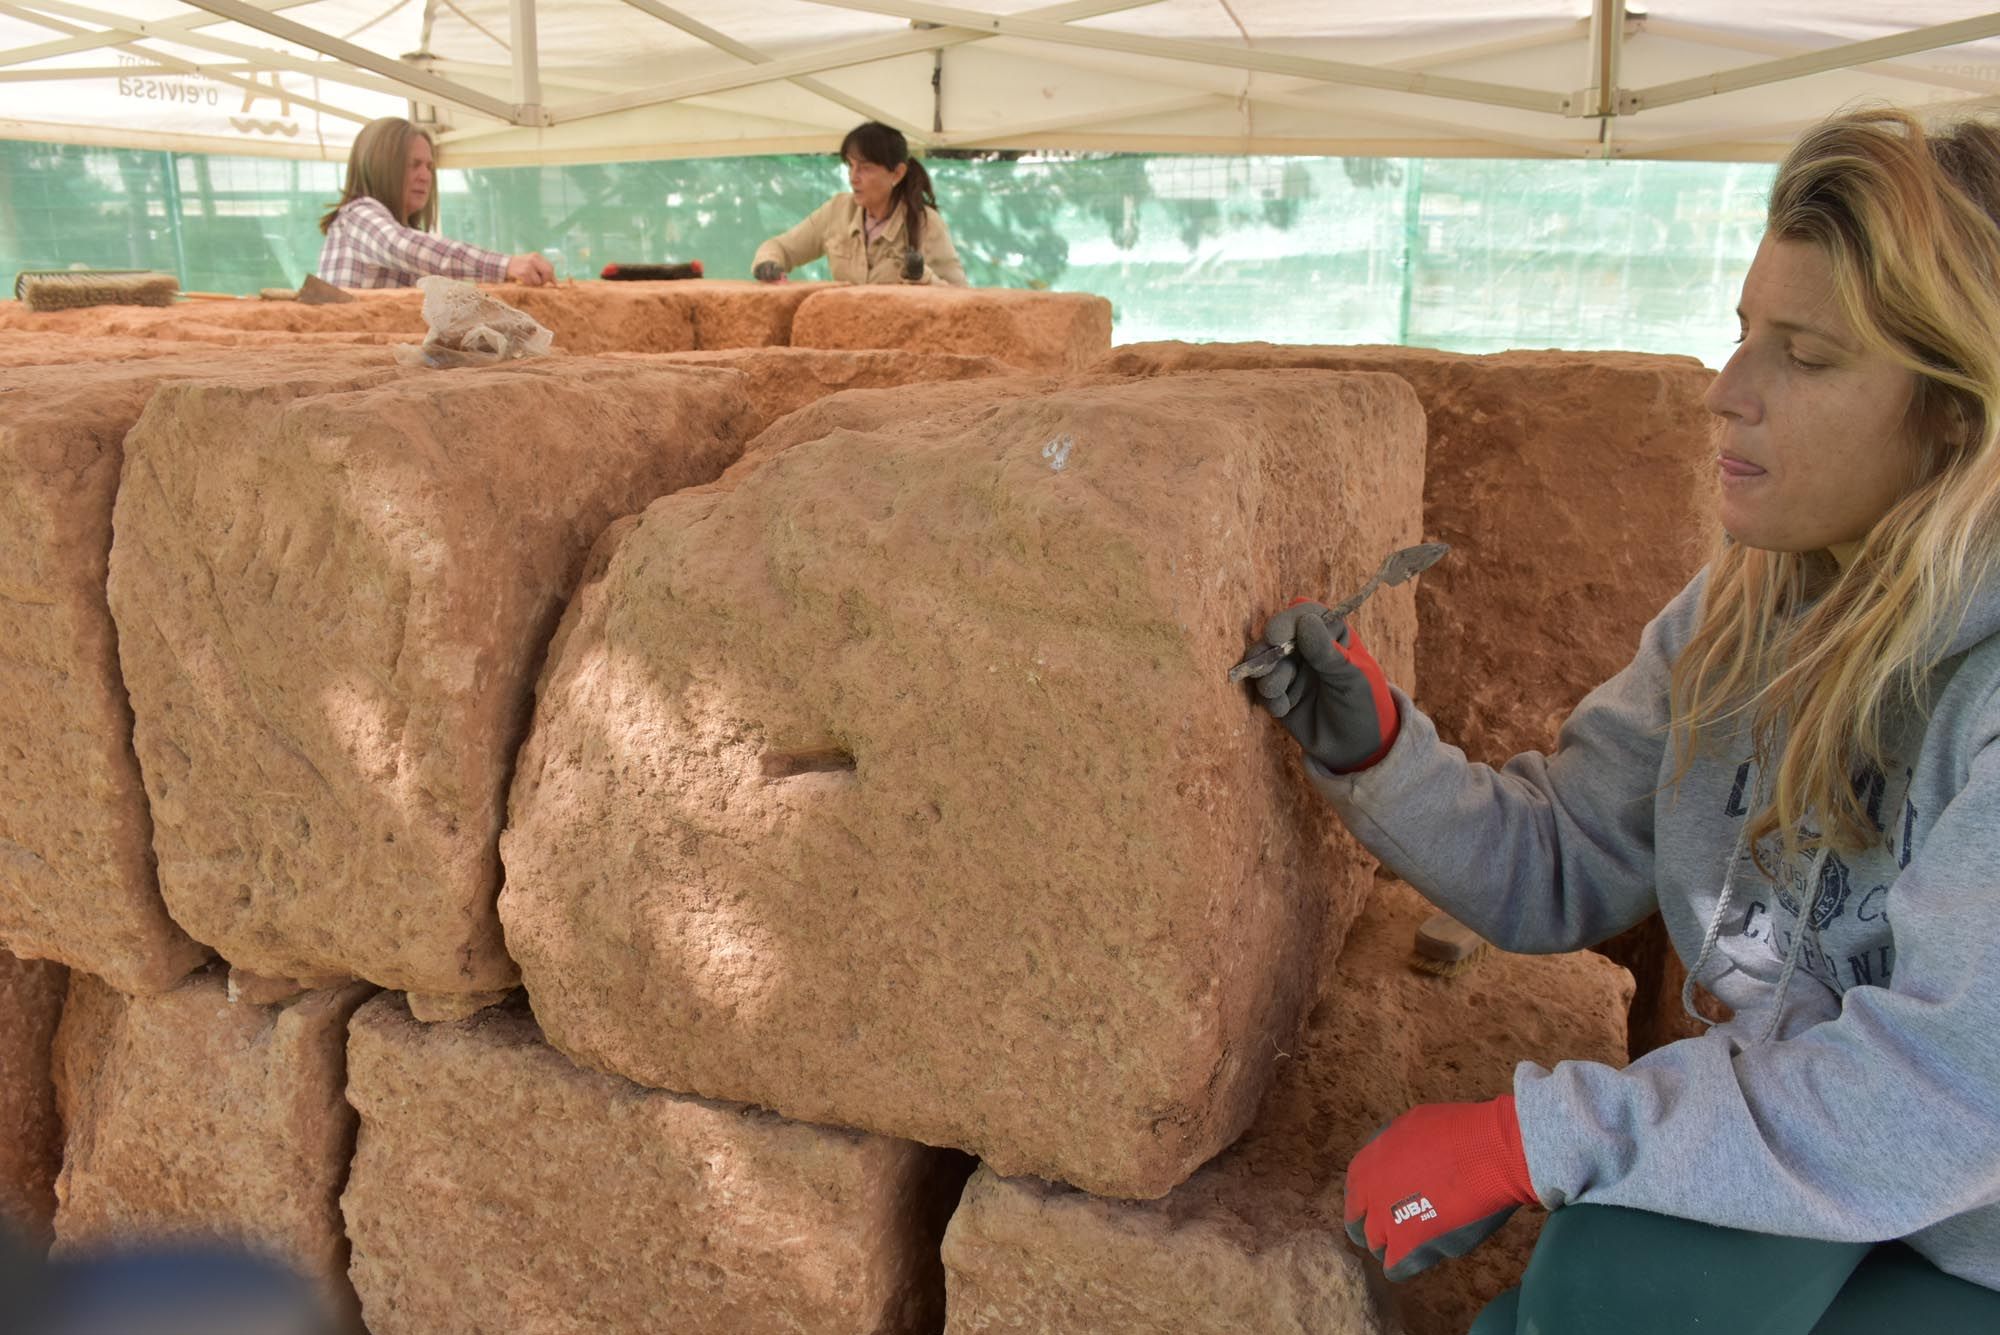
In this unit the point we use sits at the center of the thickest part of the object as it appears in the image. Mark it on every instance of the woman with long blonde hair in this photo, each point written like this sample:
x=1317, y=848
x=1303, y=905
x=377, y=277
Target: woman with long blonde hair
x=1801, y=771
x=381, y=232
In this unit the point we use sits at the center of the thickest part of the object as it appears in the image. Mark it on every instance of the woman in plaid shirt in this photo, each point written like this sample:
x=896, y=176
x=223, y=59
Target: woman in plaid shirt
x=379, y=234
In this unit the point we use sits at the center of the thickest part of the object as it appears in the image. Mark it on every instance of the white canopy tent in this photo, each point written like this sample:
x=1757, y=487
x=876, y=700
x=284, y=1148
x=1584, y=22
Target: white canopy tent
x=540, y=81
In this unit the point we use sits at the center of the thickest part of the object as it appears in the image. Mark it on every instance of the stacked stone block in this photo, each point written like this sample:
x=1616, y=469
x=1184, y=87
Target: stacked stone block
x=883, y=793
x=898, y=785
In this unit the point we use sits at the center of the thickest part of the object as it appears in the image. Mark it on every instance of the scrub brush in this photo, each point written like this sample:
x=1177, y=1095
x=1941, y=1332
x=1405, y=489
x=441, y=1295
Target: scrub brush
x=1446, y=947
x=68, y=289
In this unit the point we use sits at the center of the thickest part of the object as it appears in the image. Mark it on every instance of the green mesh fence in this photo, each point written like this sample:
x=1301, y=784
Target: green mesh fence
x=1475, y=255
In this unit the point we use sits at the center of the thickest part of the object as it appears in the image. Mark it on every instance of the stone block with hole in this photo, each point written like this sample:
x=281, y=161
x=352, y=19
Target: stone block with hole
x=898, y=784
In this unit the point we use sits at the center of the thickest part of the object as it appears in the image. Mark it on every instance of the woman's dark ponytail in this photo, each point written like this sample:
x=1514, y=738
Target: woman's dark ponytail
x=885, y=146
x=915, y=193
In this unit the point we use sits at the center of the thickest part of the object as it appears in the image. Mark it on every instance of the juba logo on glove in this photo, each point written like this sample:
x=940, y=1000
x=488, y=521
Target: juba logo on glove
x=1413, y=1207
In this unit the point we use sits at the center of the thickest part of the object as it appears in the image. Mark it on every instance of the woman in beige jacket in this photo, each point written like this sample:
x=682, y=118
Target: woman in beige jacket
x=888, y=230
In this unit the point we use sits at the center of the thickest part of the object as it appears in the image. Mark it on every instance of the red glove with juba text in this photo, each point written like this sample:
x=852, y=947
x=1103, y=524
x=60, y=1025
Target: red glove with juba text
x=1437, y=1182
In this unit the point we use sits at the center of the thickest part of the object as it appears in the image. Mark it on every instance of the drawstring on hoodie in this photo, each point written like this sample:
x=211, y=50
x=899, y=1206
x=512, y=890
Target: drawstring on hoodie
x=1713, y=934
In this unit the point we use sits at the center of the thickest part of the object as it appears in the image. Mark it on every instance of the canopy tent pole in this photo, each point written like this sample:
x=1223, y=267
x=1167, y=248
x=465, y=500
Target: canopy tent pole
x=1845, y=56
x=723, y=42
x=171, y=29
x=840, y=56
x=1651, y=25
x=125, y=33
x=443, y=90
x=1034, y=29
x=1607, y=44
x=527, y=62
x=174, y=64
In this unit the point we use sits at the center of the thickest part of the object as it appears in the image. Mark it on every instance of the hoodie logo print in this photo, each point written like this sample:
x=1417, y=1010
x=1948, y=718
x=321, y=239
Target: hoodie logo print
x=1831, y=899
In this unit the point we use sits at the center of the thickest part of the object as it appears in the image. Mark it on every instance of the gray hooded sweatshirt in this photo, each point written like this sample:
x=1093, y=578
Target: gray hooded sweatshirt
x=1872, y=1109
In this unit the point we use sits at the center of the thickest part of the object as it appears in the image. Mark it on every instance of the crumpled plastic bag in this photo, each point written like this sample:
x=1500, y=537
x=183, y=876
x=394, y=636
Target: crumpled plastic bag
x=469, y=328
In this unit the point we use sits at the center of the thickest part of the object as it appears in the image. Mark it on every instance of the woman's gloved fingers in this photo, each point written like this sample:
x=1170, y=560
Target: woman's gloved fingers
x=1317, y=643
x=1275, y=684
x=1294, y=717
x=1284, y=625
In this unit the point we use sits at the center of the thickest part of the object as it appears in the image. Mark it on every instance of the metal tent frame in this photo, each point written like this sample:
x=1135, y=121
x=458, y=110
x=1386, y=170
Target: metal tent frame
x=579, y=80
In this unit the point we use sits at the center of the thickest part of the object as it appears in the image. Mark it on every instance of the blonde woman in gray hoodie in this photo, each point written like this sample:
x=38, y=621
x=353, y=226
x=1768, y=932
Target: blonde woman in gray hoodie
x=1801, y=771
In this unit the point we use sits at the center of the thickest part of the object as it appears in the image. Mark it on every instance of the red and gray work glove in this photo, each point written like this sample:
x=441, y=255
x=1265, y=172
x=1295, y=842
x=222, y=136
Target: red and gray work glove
x=1328, y=692
x=1437, y=1182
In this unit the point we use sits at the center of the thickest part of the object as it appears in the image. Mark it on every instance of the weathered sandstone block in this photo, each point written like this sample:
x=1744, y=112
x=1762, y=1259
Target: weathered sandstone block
x=21, y=348
x=333, y=595
x=390, y=312
x=1574, y=490
x=76, y=866
x=742, y=314
x=1254, y=1240
x=192, y=1118
x=616, y=1208
x=783, y=380
x=898, y=785
x=31, y=997
x=1037, y=331
x=586, y=318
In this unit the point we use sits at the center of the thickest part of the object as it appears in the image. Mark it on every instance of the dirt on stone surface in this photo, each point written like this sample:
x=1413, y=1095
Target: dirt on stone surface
x=399, y=312
x=587, y=318
x=76, y=878
x=783, y=380
x=732, y=315
x=896, y=782
x=31, y=997
x=1036, y=331
x=1259, y=1230
x=614, y=1207
x=1027, y=1255
x=20, y=347
x=190, y=1118
x=333, y=592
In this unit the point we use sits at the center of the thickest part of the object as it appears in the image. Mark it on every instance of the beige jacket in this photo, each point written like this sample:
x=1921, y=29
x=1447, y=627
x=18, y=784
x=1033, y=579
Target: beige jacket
x=834, y=230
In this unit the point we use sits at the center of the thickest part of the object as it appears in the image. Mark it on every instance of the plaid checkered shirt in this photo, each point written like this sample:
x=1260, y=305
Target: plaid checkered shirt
x=367, y=247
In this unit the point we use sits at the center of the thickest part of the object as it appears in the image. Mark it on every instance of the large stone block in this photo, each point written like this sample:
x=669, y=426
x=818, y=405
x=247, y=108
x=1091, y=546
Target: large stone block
x=1254, y=1241
x=783, y=380
x=19, y=348
x=31, y=997
x=586, y=318
x=618, y=1208
x=76, y=865
x=333, y=594
x=397, y=313
x=1036, y=331
x=730, y=315
x=192, y=1118
x=1578, y=493
x=898, y=785
x=1575, y=491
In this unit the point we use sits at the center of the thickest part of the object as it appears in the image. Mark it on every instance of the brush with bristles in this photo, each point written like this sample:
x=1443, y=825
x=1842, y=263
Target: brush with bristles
x=70, y=289
x=1447, y=947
